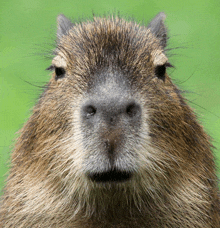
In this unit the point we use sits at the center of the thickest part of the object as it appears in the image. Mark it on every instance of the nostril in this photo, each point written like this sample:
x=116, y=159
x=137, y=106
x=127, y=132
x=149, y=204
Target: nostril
x=132, y=109
x=90, y=111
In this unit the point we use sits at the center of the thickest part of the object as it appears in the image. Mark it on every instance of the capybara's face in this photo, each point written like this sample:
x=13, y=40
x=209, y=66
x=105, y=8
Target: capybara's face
x=111, y=142
x=110, y=90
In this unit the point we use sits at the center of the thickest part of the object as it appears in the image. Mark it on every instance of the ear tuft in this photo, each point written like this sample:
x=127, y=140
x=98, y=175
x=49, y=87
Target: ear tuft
x=158, y=28
x=63, y=26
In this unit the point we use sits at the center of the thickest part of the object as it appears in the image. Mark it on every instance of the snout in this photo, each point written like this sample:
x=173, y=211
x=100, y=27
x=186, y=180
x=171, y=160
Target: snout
x=111, y=120
x=111, y=111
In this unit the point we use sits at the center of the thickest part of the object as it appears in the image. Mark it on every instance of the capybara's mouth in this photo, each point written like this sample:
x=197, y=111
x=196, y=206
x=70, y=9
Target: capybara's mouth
x=110, y=176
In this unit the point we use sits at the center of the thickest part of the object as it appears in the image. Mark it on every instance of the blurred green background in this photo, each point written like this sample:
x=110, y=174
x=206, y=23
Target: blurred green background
x=27, y=33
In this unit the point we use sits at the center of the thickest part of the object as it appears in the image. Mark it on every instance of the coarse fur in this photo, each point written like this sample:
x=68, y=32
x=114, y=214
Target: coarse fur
x=153, y=168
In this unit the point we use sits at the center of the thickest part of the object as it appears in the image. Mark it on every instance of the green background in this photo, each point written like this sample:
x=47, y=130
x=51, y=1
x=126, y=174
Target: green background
x=27, y=31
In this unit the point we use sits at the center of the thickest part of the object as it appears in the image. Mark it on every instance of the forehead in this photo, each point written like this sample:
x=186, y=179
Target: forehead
x=109, y=50
x=104, y=42
x=108, y=79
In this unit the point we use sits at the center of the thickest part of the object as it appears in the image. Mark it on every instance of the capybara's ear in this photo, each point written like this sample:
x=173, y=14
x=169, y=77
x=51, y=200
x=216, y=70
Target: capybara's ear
x=63, y=26
x=158, y=28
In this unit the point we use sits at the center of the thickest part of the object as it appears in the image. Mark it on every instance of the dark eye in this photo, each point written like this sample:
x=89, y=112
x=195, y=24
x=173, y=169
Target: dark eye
x=160, y=71
x=60, y=72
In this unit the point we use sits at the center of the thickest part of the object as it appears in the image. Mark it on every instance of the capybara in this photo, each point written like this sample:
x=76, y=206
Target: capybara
x=111, y=142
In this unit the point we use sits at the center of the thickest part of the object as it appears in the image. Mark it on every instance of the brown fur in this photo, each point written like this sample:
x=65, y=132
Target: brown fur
x=175, y=183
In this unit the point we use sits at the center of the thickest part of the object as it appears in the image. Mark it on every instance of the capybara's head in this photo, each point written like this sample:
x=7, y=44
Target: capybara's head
x=111, y=142
x=110, y=115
